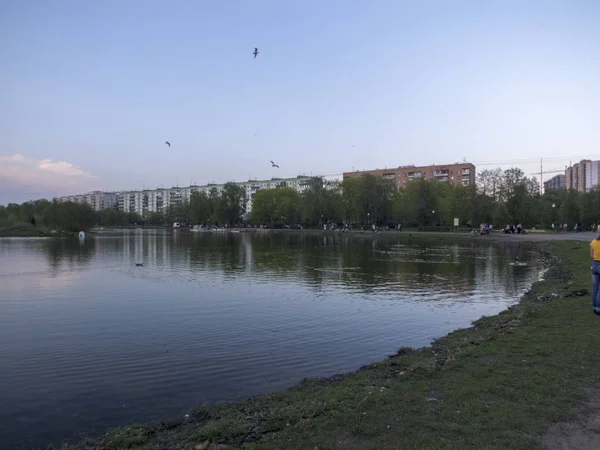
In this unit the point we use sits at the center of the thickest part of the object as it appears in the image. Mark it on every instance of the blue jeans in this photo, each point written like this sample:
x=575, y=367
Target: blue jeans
x=596, y=285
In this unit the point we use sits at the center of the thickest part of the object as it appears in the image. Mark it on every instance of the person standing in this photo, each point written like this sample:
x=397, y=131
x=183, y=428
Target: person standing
x=595, y=254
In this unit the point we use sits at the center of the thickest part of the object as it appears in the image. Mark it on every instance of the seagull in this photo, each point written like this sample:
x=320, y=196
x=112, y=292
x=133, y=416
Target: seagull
x=168, y=143
x=274, y=165
x=255, y=52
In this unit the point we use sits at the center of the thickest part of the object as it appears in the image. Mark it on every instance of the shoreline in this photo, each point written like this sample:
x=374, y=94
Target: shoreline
x=468, y=378
x=405, y=234
x=36, y=234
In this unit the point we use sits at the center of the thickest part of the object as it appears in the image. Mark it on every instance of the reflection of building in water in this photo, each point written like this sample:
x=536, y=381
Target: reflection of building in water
x=246, y=242
x=465, y=272
x=151, y=248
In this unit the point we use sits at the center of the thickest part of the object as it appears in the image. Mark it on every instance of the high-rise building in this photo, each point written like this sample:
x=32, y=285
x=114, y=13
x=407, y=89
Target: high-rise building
x=98, y=200
x=555, y=183
x=458, y=173
x=569, y=178
x=583, y=176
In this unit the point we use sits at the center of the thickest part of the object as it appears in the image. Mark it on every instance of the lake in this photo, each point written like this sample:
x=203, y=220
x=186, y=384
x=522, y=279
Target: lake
x=89, y=341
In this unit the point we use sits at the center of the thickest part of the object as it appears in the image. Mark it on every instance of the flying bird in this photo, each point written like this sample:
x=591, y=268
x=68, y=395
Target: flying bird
x=255, y=52
x=274, y=165
x=168, y=143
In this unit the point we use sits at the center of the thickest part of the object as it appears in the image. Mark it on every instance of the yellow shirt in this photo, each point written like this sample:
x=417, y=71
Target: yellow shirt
x=595, y=244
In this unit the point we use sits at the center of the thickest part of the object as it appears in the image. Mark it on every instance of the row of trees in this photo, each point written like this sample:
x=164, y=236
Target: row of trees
x=50, y=214
x=225, y=207
x=499, y=198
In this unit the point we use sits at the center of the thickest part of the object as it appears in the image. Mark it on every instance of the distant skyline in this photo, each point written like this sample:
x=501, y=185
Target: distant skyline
x=91, y=91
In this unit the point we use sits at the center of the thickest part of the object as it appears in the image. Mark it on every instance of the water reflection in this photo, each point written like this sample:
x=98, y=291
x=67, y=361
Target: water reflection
x=217, y=317
x=356, y=263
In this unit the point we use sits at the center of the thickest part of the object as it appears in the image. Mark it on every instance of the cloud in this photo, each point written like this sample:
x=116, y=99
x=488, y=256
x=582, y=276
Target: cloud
x=15, y=157
x=55, y=176
x=62, y=167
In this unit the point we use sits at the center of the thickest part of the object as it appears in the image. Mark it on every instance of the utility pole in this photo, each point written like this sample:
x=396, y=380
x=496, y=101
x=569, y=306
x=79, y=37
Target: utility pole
x=541, y=177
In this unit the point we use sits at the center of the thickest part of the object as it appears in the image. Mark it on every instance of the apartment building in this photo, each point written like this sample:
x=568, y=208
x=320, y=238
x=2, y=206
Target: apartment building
x=569, y=178
x=155, y=200
x=458, y=173
x=583, y=176
x=160, y=200
x=555, y=183
x=98, y=200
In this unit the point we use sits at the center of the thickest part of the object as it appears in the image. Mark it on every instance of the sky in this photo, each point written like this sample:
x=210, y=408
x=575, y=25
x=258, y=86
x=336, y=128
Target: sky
x=90, y=91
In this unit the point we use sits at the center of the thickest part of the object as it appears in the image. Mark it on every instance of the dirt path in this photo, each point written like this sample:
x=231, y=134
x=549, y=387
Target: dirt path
x=583, y=434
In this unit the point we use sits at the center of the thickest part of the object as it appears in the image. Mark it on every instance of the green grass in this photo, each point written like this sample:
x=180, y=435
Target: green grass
x=18, y=229
x=496, y=385
x=25, y=229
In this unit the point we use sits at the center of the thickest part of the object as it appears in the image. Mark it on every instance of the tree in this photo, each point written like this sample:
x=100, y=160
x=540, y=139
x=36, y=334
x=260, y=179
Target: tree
x=570, y=212
x=155, y=218
x=110, y=218
x=421, y=202
x=275, y=207
x=322, y=203
x=489, y=182
x=231, y=204
x=351, y=191
x=199, y=210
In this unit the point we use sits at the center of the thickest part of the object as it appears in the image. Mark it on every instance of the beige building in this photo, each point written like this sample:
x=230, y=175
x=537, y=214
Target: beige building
x=458, y=173
x=583, y=176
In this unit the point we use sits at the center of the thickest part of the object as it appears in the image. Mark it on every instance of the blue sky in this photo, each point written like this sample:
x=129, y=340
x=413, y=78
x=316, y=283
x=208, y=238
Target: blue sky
x=92, y=90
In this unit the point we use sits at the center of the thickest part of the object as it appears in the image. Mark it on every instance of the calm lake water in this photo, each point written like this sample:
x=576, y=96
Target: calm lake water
x=90, y=341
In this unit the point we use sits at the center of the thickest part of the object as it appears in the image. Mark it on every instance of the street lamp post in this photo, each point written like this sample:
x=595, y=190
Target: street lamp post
x=368, y=219
x=556, y=226
x=433, y=214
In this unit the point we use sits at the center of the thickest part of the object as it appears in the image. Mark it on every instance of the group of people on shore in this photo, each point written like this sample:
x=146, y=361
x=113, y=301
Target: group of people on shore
x=512, y=229
x=564, y=227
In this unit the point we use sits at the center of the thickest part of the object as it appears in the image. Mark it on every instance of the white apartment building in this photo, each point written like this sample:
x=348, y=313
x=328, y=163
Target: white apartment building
x=159, y=200
x=98, y=200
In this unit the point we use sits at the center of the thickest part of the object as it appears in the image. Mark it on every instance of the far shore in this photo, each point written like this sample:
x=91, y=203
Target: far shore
x=531, y=236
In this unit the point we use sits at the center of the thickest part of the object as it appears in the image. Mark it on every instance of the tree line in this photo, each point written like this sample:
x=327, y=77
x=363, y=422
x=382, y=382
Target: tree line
x=500, y=197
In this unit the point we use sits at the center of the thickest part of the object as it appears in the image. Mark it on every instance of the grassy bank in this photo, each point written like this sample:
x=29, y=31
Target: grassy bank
x=496, y=385
x=22, y=229
x=26, y=229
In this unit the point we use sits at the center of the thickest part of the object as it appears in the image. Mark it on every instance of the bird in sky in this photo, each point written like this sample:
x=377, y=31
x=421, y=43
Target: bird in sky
x=255, y=52
x=274, y=165
x=168, y=143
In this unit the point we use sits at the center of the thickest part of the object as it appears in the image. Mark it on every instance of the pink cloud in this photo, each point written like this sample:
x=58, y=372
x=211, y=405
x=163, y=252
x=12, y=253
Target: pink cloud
x=43, y=173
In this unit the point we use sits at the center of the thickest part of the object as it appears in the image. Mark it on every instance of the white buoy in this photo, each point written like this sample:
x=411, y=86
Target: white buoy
x=81, y=235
